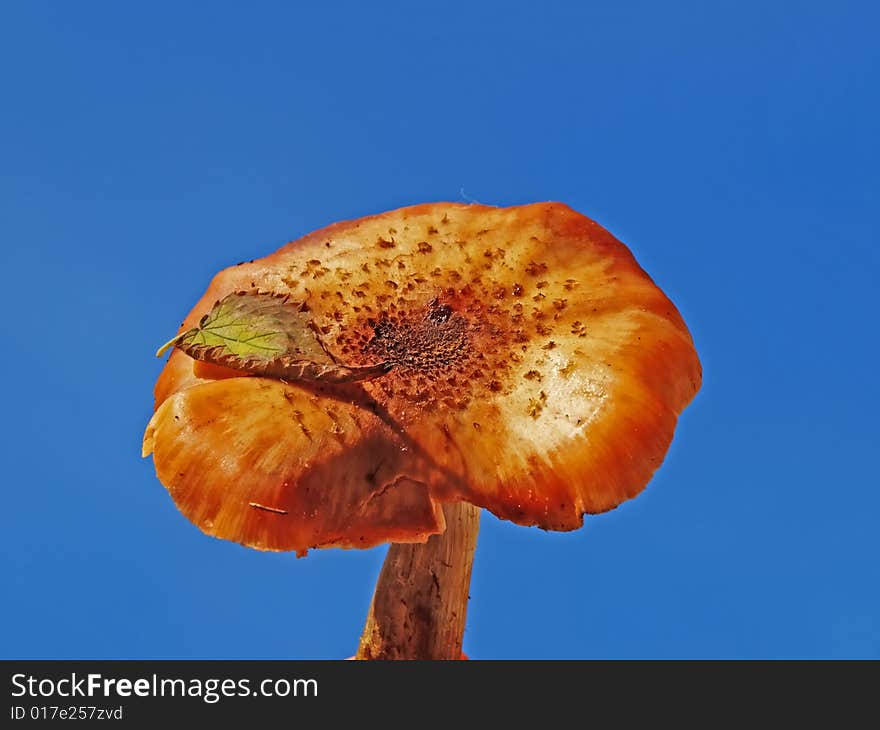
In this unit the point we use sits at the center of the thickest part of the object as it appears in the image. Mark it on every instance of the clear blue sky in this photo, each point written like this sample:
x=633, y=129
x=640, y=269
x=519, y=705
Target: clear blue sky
x=732, y=145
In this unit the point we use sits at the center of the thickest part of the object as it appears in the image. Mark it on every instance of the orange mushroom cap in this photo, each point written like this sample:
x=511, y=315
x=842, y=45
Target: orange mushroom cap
x=537, y=372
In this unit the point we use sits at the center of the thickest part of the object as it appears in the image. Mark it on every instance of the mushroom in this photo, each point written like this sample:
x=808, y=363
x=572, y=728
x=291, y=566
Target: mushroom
x=518, y=360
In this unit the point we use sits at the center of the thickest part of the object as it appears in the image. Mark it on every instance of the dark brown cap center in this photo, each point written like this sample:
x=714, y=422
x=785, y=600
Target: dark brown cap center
x=433, y=342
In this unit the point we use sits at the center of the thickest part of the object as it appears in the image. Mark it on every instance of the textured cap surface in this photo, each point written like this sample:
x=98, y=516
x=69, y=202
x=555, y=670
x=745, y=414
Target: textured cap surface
x=538, y=372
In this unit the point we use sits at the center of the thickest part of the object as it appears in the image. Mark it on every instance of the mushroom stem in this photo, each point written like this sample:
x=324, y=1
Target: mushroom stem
x=420, y=603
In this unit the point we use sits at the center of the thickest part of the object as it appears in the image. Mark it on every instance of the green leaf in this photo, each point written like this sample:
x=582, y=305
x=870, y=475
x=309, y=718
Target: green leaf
x=265, y=334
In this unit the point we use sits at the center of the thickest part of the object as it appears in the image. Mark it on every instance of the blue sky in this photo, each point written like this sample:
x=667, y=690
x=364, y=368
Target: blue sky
x=732, y=145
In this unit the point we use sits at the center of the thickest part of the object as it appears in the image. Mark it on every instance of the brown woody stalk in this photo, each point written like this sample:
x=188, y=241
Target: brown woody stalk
x=420, y=603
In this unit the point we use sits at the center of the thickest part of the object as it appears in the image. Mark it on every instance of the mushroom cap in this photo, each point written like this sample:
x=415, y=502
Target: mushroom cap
x=538, y=373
